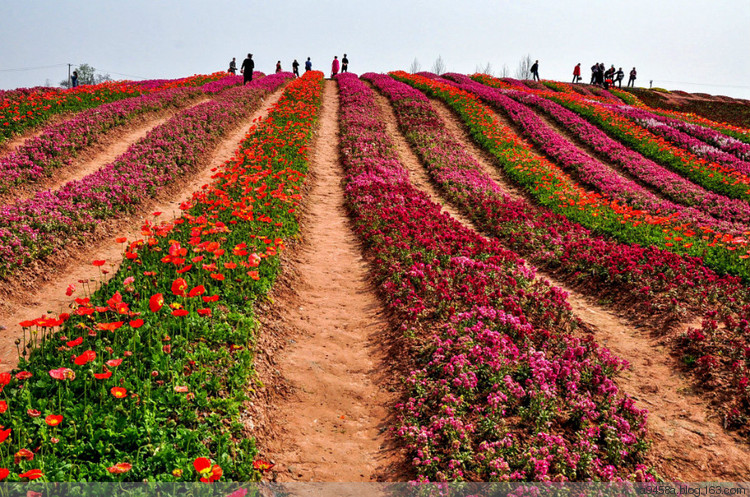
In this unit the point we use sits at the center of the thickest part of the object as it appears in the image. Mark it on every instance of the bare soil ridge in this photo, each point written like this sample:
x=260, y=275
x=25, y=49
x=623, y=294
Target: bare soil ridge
x=328, y=378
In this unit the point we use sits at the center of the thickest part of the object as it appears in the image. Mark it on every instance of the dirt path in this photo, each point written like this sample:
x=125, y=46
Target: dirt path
x=92, y=158
x=331, y=425
x=45, y=291
x=689, y=443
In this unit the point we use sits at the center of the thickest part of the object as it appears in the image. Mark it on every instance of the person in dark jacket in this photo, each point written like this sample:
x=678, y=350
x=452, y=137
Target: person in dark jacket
x=618, y=77
x=295, y=68
x=74, y=79
x=278, y=67
x=247, y=68
x=344, y=64
x=308, y=65
x=233, y=66
x=535, y=71
x=631, y=81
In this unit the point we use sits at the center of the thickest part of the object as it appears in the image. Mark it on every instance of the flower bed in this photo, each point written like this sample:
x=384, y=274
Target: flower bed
x=648, y=280
x=712, y=176
x=592, y=173
x=36, y=227
x=59, y=144
x=500, y=377
x=145, y=379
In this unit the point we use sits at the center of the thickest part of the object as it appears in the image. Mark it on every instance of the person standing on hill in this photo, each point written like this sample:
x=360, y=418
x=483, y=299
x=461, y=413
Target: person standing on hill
x=344, y=65
x=577, y=73
x=631, y=81
x=535, y=71
x=618, y=77
x=233, y=66
x=74, y=79
x=335, y=66
x=247, y=69
x=295, y=68
x=278, y=66
x=308, y=65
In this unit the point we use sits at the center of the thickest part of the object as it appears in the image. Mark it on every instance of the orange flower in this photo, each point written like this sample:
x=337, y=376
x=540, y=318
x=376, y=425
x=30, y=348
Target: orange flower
x=121, y=239
x=262, y=465
x=156, y=302
x=109, y=326
x=53, y=419
x=120, y=467
x=217, y=276
x=119, y=392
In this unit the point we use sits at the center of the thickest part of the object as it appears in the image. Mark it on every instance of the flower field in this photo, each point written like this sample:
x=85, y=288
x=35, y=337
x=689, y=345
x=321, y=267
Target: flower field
x=154, y=369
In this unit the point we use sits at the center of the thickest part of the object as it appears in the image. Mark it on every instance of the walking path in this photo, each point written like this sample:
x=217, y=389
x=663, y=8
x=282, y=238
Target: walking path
x=331, y=424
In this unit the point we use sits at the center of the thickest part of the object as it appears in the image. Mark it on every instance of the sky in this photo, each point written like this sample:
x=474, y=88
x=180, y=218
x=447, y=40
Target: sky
x=689, y=45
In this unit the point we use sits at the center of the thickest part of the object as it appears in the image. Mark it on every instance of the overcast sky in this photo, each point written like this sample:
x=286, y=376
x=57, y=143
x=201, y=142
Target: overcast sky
x=691, y=45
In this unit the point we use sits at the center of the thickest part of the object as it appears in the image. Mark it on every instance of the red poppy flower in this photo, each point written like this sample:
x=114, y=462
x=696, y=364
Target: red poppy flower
x=254, y=275
x=262, y=465
x=4, y=434
x=121, y=239
x=202, y=464
x=23, y=455
x=118, y=392
x=136, y=323
x=4, y=379
x=85, y=358
x=53, y=419
x=156, y=302
x=113, y=363
x=185, y=269
x=167, y=349
x=115, y=325
x=120, y=467
x=197, y=291
x=212, y=298
x=76, y=342
x=214, y=475
x=179, y=286
x=27, y=324
x=217, y=276
x=3, y=406
x=180, y=312
x=4, y=473
x=23, y=375
x=204, y=312
x=33, y=413
x=230, y=265
x=32, y=474
x=98, y=263
x=103, y=376
x=69, y=291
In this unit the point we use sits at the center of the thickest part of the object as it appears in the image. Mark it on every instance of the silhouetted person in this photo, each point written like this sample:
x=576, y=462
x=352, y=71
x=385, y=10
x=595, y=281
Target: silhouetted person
x=535, y=71
x=74, y=79
x=631, y=81
x=344, y=64
x=308, y=65
x=233, y=66
x=247, y=68
x=278, y=66
x=295, y=68
x=618, y=77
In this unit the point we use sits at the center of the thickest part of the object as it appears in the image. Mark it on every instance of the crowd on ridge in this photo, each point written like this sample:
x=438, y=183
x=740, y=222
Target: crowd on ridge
x=248, y=66
x=605, y=77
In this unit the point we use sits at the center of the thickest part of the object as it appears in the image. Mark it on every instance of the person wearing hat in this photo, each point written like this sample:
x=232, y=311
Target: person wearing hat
x=247, y=68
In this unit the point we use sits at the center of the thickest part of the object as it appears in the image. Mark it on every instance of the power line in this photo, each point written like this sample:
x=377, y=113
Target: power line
x=32, y=68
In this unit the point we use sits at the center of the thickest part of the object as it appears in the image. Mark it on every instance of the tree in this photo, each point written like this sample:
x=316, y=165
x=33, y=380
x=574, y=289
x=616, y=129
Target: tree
x=438, y=67
x=486, y=69
x=523, y=71
x=415, y=66
x=87, y=76
x=504, y=72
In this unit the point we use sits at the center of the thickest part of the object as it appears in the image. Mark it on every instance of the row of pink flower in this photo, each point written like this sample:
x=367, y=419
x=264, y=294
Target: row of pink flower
x=226, y=82
x=57, y=146
x=499, y=376
x=599, y=176
x=41, y=225
x=702, y=141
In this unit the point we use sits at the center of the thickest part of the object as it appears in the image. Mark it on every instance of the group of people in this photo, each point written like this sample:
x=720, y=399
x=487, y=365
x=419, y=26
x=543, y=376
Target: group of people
x=248, y=66
x=605, y=77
